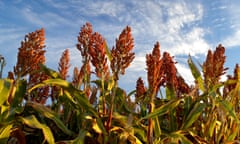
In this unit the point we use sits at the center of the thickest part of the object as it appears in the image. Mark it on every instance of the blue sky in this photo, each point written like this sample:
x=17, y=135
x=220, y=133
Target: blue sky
x=181, y=26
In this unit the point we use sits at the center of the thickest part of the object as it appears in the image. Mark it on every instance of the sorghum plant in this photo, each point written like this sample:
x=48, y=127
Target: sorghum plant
x=94, y=109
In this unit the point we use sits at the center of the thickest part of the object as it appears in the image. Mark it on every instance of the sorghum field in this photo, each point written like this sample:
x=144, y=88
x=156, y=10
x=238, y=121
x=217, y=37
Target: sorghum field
x=40, y=105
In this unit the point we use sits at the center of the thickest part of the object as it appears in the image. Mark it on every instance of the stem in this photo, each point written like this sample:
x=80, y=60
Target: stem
x=103, y=96
x=150, y=125
x=150, y=120
x=109, y=122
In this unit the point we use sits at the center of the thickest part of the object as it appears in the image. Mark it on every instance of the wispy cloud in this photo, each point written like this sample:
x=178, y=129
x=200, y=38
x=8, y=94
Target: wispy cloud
x=45, y=18
x=174, y=24
x=232, y=40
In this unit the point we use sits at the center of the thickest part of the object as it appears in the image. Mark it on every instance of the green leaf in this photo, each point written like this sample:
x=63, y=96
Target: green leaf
x=212, y=126
x=46, y=112
x=170, y=93
x=163, y=109
x=49, y=72
x=178, y=136
x=19, y=94
x=228, y=107
x=5, y=89
x=75, y=96
x=194, y=114
x=4, y=113
x=80, y=138
x=108, y=52
x=196, y=73
x=157, y=128
x=234, y=134
x=32, y=121
x=5, y=132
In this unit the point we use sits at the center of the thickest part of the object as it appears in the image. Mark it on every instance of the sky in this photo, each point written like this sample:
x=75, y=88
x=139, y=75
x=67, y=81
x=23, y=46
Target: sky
x=182, y=27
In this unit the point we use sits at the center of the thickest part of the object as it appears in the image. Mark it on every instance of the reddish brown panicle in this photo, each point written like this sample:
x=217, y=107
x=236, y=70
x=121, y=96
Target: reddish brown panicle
x=213, y=67
x=122, y=54
x=140, y=89
x=98, y=55
x=31, y=53
x=63, y=65
x=170, y=71
x=84, y=39
x=154, y=64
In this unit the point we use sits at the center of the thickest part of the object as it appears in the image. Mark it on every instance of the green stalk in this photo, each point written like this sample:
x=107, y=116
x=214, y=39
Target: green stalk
x=150, y=120
x=109, y=122
x=103, y=95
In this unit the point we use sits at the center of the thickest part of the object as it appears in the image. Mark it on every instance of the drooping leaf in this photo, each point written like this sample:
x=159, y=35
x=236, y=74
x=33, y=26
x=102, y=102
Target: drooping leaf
x=52, y=73
x=46, y=112
x=73, y=95
x=32, y=121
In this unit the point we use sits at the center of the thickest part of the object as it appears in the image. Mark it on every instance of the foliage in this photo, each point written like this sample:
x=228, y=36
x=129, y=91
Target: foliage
x=39, y=105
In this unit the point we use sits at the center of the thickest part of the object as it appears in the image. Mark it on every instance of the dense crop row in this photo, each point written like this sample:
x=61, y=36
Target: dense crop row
x=39, y=105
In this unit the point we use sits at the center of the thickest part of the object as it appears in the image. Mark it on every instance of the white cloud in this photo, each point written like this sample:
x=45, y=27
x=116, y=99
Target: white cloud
x=45, y=19
x=11, y=34
x=170, y=23
x=173, y=24
x=233, y=13
x=191, y=43
x=185, y=72
x=232, y=40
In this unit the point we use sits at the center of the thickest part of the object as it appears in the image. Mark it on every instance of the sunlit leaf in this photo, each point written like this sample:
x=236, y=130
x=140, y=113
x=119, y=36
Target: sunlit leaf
x=5, y=132
x=49, y=114
x=49, y=72
x=19, y=94
x=196, y=73
x=5, y=89
x=108, y=52
x=32, y=121
x=170, y=93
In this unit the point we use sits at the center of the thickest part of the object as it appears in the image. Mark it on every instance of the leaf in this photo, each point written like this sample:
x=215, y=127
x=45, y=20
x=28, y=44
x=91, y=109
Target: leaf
x=157, y=128
x=163, y=109
x=194, y=114
x=32, y=121
x=196, y=73
x=212, y=126
x=108, y=52
x=178, y=136
x=170, y=93
x=49, y=114
x=49, y=72
x=73, y=95
x=80, y=139
x=228, y=107
x=140, y=133
x=5, y=89
x=19, y=94
x=5, y=132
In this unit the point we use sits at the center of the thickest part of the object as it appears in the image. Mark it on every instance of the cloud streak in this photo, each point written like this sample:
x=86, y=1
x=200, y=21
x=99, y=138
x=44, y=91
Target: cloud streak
x=176, y=24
